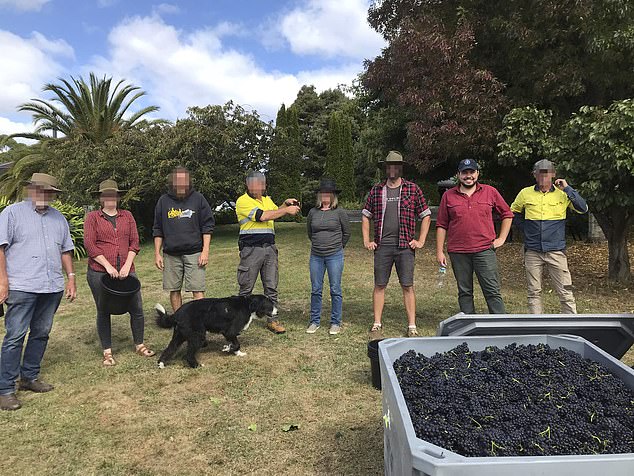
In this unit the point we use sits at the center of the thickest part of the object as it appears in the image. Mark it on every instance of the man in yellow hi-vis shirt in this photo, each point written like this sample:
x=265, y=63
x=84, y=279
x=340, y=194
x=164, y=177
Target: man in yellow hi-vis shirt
x=258, y=254
x=541, y=210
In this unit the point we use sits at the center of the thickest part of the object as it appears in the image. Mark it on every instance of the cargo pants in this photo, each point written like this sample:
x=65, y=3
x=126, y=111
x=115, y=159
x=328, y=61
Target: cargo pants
x=259, y=260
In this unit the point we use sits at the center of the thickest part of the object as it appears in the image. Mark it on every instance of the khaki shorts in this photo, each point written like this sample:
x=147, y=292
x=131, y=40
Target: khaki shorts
x=183, y=272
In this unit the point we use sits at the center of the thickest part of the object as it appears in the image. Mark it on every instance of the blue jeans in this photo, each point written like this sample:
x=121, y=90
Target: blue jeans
x=25, y=311
x=318, y=266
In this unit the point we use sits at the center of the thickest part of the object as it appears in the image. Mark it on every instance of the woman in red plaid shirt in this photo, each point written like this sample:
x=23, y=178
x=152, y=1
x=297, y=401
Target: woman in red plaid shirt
x=394, y=206
x=112, y=243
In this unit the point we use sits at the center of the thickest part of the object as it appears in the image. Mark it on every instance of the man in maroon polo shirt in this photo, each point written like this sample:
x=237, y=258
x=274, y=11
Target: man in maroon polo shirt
x=465, y=218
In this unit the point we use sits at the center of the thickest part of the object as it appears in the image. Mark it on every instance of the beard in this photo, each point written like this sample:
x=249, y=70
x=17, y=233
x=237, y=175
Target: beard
x=471, y=185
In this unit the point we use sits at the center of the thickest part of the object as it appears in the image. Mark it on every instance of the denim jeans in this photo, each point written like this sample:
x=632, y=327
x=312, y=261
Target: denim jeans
x=32, y=313
x=318, y=266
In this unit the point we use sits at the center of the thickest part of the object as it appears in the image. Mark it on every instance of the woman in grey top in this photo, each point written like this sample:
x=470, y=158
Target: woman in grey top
x=329, y=231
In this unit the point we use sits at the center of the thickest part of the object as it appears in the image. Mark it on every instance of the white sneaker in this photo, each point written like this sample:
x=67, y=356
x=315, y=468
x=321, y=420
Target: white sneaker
x=312, y=328
x=334, y=330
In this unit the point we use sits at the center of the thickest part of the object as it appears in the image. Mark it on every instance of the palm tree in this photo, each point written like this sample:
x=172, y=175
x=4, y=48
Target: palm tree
x=91, y=110
x=19, y=161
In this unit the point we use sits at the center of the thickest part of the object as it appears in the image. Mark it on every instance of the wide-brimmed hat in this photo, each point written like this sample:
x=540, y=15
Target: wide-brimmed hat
x=44, y=181
x=108, y=186
x=393, y=157
x=327, y=185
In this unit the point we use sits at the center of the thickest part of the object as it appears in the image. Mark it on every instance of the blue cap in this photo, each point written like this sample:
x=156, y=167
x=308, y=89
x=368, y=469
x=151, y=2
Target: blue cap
x=468, y=164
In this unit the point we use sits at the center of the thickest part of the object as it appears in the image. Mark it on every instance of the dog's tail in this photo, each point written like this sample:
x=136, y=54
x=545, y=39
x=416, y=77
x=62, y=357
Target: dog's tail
x=163, y=319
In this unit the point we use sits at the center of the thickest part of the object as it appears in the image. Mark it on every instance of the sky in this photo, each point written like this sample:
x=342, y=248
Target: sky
x=257, y=53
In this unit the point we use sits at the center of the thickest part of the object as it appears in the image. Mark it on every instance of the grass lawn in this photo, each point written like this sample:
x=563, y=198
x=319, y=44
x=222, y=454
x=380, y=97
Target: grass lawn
x=228, y=416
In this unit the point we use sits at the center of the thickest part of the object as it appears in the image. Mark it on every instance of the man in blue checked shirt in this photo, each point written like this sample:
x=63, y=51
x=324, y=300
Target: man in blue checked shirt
x=35, y=245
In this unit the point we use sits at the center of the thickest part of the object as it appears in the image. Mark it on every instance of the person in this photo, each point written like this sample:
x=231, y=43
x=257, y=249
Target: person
x=393, y=206
x=328, y=229
x=256, y=213
x=465, y=220
x=35, y=246
x=541, y=211
x=112, y=242
x=183, y=225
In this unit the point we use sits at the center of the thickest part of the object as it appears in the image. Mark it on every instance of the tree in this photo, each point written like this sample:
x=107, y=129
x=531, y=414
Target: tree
x=554, y=54
x=450, y=107
x=285, y=164
x=22, y=160
x=94, y=111
x=447, y=61
x=340, y=159
x=595, y=151
x=314, y=111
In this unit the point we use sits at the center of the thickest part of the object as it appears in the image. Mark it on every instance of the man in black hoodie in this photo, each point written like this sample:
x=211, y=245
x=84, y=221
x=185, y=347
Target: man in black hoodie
x=183, y=224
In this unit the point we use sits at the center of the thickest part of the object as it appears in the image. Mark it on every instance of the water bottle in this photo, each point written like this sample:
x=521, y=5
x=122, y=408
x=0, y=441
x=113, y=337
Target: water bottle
x=442, y=273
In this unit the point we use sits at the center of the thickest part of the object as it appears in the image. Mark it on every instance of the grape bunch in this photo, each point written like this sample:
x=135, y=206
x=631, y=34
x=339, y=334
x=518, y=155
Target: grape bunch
x=522, y=400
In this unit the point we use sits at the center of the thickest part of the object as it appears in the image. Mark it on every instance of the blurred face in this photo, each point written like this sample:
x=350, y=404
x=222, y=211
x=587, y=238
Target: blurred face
x=181, y=183
x=468, y=178
x=109, y=199
x=325, y=198
x=40, y=196
x=256, y=186
x=394, y=171
x=544, y=178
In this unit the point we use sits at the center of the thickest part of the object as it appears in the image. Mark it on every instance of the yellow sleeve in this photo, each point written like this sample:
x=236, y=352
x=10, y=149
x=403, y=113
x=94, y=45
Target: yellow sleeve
x=270, y=204
x=518, y=204
x=245, y=209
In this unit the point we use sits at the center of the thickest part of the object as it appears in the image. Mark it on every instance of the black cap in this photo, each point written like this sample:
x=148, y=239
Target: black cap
x=468, y=164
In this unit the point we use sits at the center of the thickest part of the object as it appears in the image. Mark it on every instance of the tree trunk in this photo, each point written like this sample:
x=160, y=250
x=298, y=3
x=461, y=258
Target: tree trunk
x=615, y=223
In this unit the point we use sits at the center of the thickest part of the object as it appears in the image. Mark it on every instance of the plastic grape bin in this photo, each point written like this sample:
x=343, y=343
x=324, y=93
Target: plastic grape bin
x=405, y=454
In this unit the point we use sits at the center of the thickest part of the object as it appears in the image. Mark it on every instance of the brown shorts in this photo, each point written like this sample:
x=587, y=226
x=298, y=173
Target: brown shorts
x=183, y=272
x=387, y=256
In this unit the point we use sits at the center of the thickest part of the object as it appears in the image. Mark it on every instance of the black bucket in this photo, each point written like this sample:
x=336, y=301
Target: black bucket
x=117, y=293
x=373, y=353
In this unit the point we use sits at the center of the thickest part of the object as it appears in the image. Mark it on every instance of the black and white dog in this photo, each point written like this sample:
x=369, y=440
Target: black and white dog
x=227, y=316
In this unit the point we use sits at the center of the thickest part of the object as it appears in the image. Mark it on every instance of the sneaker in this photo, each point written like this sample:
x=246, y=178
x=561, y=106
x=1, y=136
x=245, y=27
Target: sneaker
x=334, y=329
x=412, y=332
x=276, y=327
x=9, y=402
x=35, y=386
x=312, y=328
x=376, y=332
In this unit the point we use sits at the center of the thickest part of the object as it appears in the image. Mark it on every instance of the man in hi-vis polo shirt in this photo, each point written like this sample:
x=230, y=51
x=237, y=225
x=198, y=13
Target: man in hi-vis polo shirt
x=258, y=253
x=542, y=210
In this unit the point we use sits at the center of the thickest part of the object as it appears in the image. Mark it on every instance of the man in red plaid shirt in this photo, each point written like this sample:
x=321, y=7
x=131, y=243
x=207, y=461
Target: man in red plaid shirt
x=394, y=206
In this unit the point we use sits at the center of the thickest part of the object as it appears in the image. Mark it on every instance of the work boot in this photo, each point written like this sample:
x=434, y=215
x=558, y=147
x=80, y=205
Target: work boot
x=35, y=386
x=9, y=402
x=276, y=327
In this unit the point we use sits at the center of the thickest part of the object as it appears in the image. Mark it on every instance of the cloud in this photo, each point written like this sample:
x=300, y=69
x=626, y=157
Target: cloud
x=106, y=3
x=23, y=5
x=330, y=28
x=166, y=9
x=27, y=64
x=179, y=69
x=8, y=127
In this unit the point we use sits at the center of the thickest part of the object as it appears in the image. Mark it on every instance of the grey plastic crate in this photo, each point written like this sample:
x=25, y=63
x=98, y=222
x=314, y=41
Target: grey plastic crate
x=613, y=333
x=405, y=454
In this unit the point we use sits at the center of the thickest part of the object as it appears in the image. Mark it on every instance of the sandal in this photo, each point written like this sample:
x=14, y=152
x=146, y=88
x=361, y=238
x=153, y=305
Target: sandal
x=108, y=359
x=143, y=351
